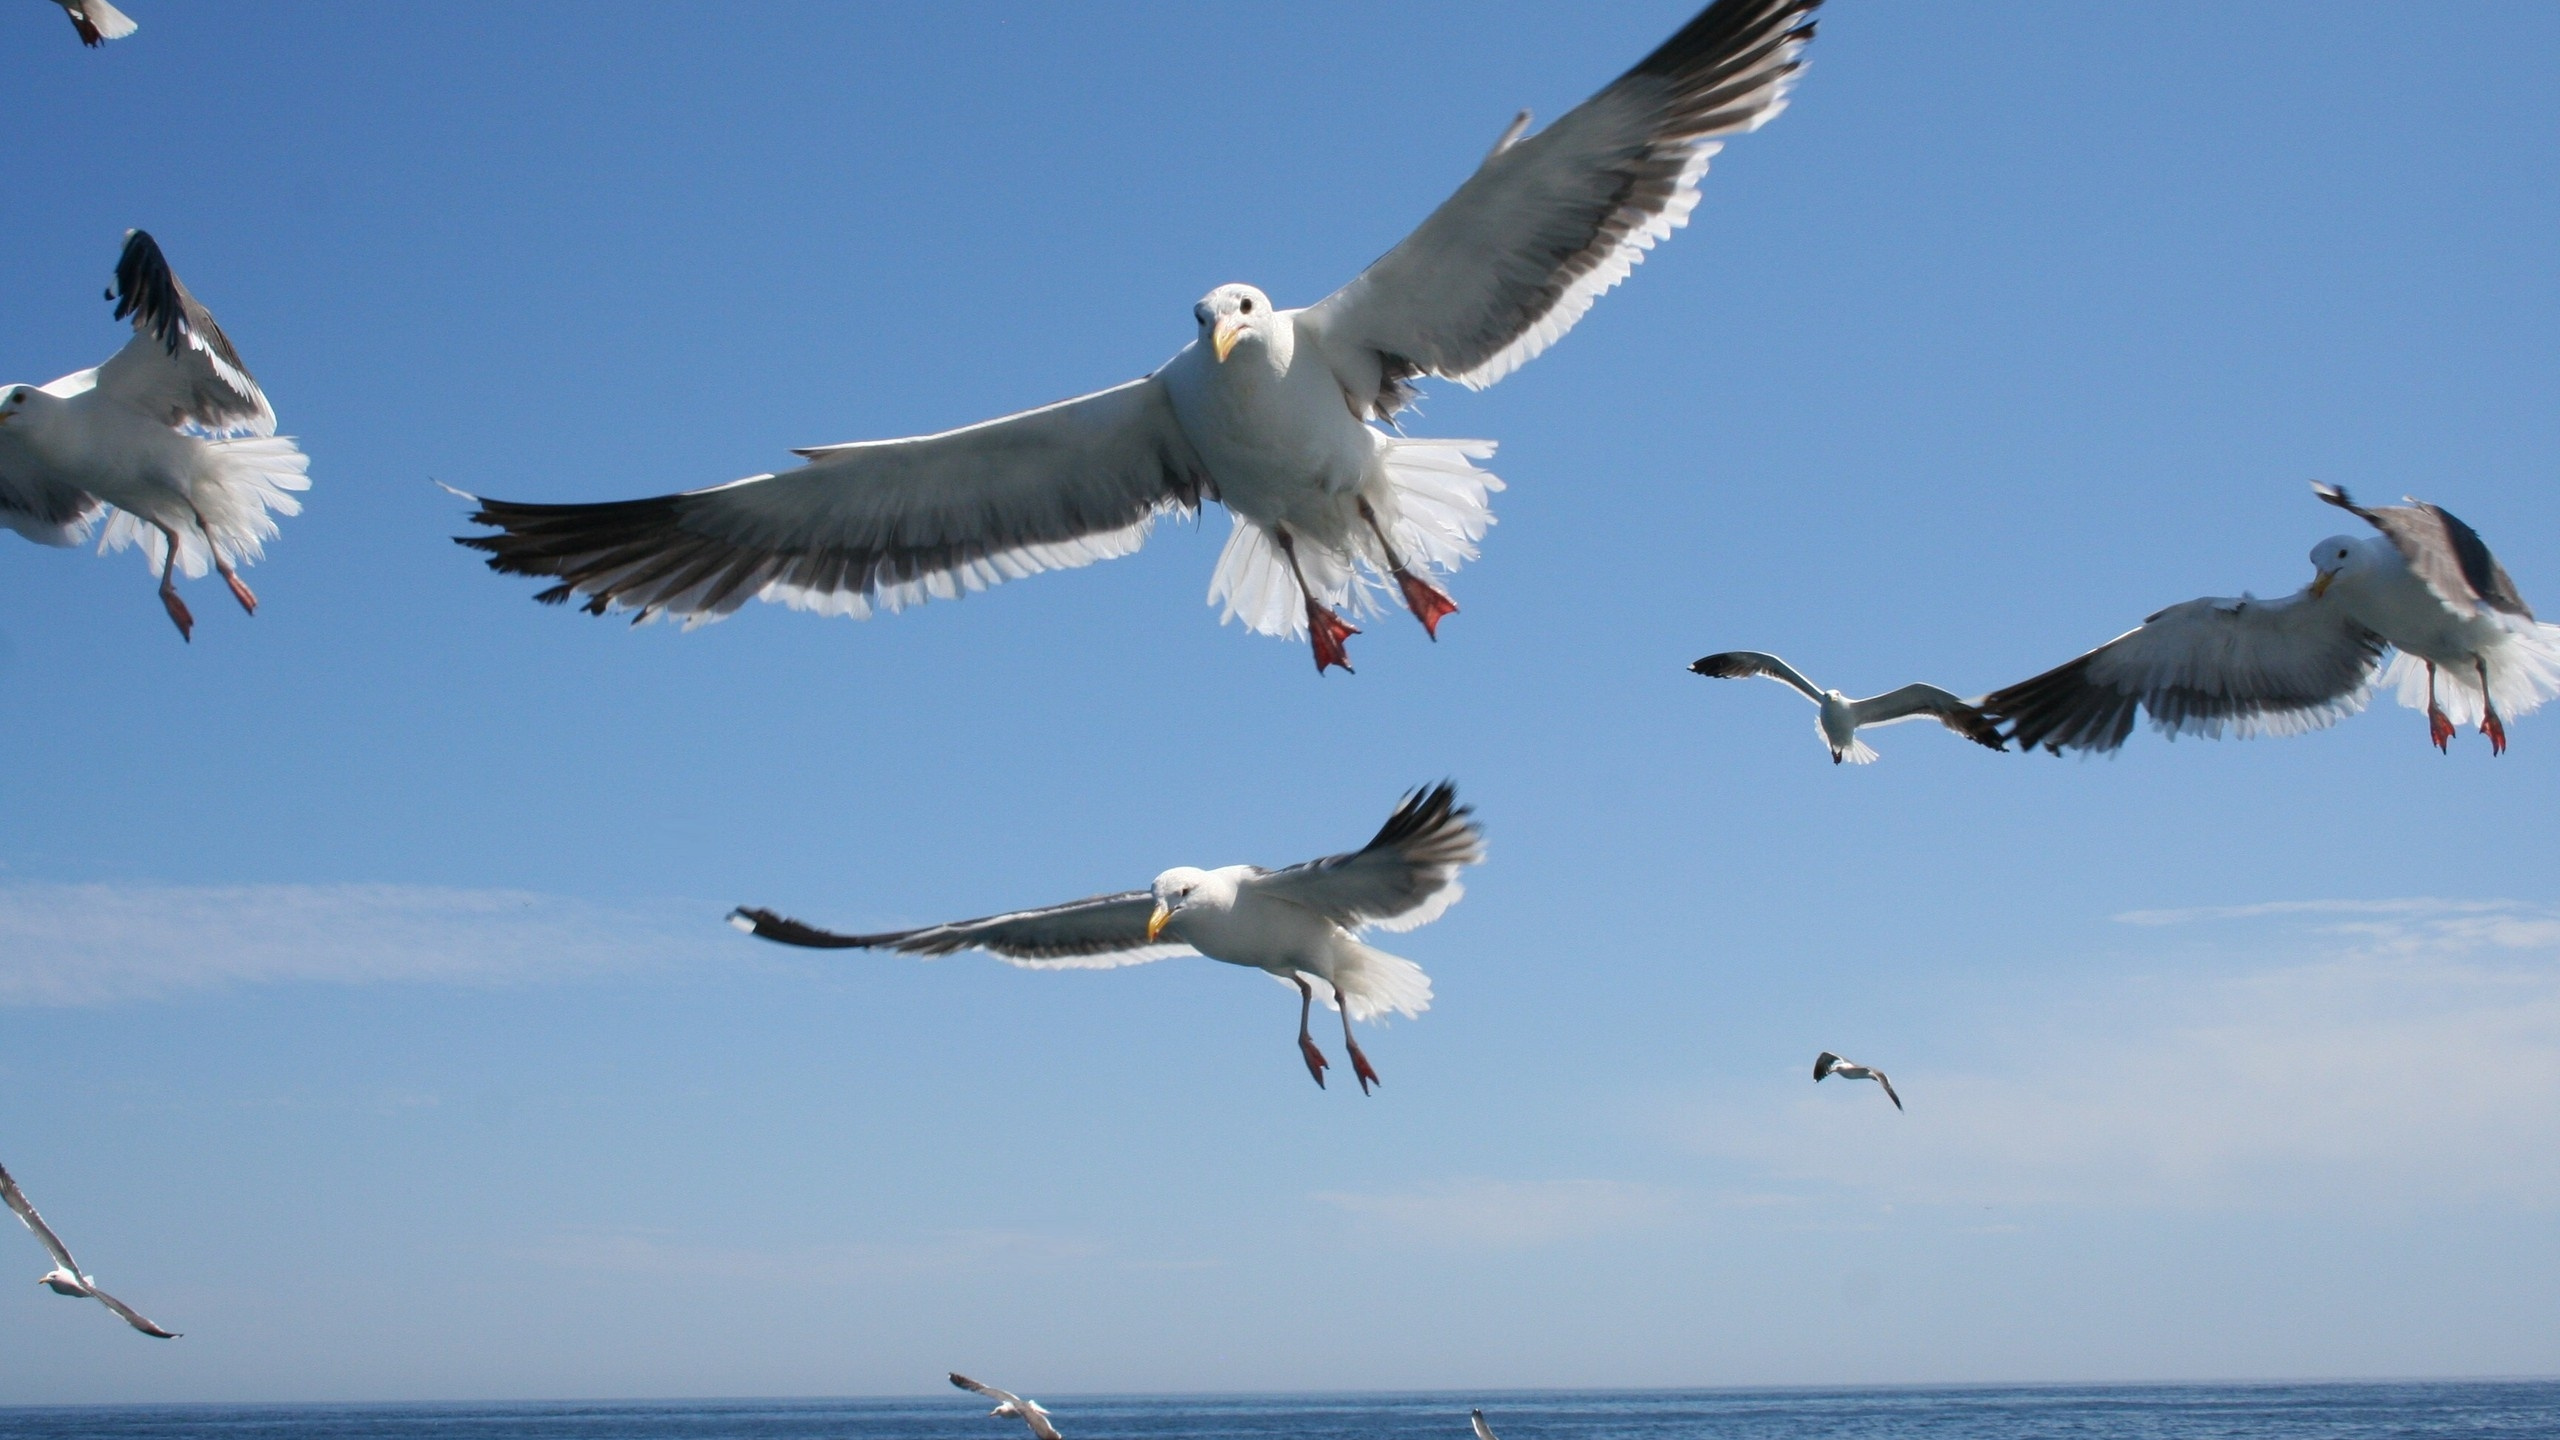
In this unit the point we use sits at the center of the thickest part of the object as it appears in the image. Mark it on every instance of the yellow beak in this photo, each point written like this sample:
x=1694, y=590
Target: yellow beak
x=1156, y=922
x=1223, y=339
x=2321, y=582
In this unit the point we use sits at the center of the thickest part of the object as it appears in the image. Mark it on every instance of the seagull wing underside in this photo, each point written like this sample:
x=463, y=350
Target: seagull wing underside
x=1001, y=1397
x=2207, y=667
x=1100, y=933
x=130, y=1316
x=1475, y=1418
x=2448, y=555
x=1926, y=702
x=18, y=1202
x=1548, y=224
x=1743, y=664
x=878, y=524
x=38, y=506
x=1407, y=875
x=179, y=367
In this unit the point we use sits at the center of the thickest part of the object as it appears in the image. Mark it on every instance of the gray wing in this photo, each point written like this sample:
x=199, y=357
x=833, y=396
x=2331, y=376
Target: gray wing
x=1888, y=1088
x=1001, y=1397
x=96, y=20
x=1407, y=875
x=53, y=1245
x=1824, y=1064
x=1740, y=664
x=179, y=367
x=130, y=1317
x=1475, y=1418
x=1549, y=223
x=2447, y=554
x=879, y=524
x=1099, y=933
x=2208, y=667
x=1038, y=1419
x=38, y=506
x=1915, y=702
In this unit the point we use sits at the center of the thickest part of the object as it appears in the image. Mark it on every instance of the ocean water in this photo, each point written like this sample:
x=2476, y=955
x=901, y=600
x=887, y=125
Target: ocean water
x=2500, y=1409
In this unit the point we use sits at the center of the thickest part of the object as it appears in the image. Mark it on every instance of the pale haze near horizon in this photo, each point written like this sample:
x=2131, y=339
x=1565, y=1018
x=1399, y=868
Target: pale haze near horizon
x=364, y=1007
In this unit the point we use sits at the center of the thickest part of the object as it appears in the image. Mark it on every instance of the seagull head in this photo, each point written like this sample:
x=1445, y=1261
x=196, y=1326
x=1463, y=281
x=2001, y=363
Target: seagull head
x=63, y=1282
x=16, y=400
x=1176, y=890
x=2335, y=557
x=1231, y=314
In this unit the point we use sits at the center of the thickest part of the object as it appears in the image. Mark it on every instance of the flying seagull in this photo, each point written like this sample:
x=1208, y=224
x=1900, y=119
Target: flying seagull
x=1826, y=1064
x=97, y=21
x=2425, y=586
x=66, y=1277
x=1483, y=1431
x=1294, y=923
x=169, y=442
x=1842, y=718
x=1011, y=1406
x=1283, y=416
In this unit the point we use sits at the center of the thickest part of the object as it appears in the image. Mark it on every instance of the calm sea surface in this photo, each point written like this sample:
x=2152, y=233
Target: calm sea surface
x=2126, y=1412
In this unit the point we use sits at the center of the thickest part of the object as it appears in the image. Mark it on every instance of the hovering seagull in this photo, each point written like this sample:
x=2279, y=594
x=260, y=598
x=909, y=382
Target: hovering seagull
x=66, y=1277
x=1842, y=718
x=1294, y=923
x=1284, y=416
x=2426, y=586
x=1826, y=1064
x=1476, y=1419
x=170, y=442
x=97, y=21
x=1010, y=1406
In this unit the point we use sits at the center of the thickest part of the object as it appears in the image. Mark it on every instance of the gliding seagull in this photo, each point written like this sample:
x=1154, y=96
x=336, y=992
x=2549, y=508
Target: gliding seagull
x=66, y=1277
x=1276, y=414
x=1842, y=718
x=97, y=21
x=170, y=442
x=1827, y=1063
x=1293, y=923
x=1010, y=1406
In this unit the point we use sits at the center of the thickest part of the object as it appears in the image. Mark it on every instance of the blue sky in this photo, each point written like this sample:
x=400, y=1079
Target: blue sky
x=364, y=1009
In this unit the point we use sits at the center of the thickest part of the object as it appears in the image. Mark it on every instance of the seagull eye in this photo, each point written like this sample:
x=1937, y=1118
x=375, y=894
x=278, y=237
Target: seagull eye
x=1248, y=307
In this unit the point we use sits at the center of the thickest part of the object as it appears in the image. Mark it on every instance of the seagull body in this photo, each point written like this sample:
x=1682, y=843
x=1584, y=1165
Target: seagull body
x=1294, y=924
x=1283, y=416
x=2425, y=586
x=170, y=442
x=1841, y=718
x=1010, y=1406
x=97, y=21
x=66, y=1276
x=1827, y=1064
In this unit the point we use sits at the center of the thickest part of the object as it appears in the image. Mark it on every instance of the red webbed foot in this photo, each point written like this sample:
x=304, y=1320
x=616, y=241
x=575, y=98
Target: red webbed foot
x=2439, y=727
x=1328, y=630
x=240, y=591
x=1429, y=603
x=178, y=613
x=1360, y=1066
x=1315, y=1059
x=2495, y=729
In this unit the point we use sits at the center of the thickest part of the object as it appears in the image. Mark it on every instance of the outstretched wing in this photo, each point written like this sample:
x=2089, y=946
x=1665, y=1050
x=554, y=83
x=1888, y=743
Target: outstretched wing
x=1549, y=223
x=130, y=1317
x=53, y=1245
x=1742, y=664
x=1001, y=1397
x=879, y=524
x=1824, y=1064
x=96, y=20
x=1099, y=933
x=2208, y=667
x=1407, y=875
x=179, y=367
x=1916, y=702
x=1475, y=1419
x=1888, y=1088
x=2447, y=554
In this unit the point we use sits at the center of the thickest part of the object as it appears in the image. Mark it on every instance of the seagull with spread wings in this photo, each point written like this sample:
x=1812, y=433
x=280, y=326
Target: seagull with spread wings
x=66, y=1277
x=1296, y=923
x=1010, y=1406
x=1283, y=416
x=1841, y=718
x=2425, y=585
x=170, y=442
x=1827, y=1064
x=97, y=21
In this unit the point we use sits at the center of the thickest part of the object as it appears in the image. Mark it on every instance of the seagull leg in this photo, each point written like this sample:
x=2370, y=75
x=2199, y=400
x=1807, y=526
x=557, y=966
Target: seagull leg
x=1306, y=1042
x=1428, y=602
x=1359, y=1062
x=222, y=563
x=2439, y=728
x=2490, y=724
x=169, y=600
x=1326, y=629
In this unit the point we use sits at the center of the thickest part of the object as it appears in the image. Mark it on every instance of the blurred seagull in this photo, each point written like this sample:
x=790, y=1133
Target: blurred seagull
x=97, y=21
x=1294, y=923
x=1011, y=1406
x=1826, y=1064
x=2426, y=586
x=1276, y=414
x=1842, y=718
x=170, y=441
x=66, y=1277
x=1476, y=1419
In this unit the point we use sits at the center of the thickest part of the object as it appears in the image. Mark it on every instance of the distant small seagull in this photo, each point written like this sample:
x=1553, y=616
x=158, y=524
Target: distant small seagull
x=1010, y=1406
x=1842, y=718
x=1293, y=923
x=66, y=1277
x=1827, y=1063
x=2426, y=586
x=1483, y=1431
x=97, y=21
x=170, y=442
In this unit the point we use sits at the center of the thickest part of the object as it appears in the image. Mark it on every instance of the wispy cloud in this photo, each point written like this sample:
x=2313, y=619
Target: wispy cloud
x=659, y=1253
x=97, y=944
x=1504, y=1213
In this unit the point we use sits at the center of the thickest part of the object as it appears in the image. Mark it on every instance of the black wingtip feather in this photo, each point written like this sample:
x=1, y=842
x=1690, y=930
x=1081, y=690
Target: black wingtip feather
x=766, y=925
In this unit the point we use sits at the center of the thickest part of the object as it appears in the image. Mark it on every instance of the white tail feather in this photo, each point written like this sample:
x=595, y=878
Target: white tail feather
x=252, y=480
x=2523, y=673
